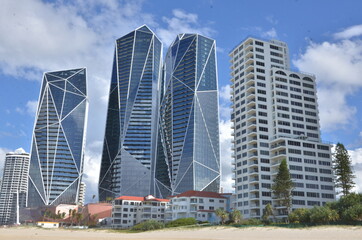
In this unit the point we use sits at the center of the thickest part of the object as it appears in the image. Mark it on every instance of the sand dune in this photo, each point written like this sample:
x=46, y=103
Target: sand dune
x=250, y=233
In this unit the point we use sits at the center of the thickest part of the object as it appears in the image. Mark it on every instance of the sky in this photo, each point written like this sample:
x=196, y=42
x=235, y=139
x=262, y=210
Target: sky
x=324, y=38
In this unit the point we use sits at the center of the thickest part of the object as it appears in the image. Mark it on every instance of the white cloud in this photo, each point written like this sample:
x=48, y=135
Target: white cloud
x=31, y=107
x=225, y=155
x=349, y=32
x=181, y=22
x=224, y=105
x=356, y=156
x=272, y=33
x=338, y=69
x=38, y=36
x=3, y=152
x=271, y=19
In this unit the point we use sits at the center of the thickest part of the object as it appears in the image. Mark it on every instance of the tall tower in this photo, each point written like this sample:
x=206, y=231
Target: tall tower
x=189, y=116
x=57, y=152
x=275, y=117
x=129, y=149
x=14, y=186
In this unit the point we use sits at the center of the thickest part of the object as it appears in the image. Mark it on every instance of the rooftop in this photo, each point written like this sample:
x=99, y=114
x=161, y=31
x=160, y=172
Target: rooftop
x=200, y=194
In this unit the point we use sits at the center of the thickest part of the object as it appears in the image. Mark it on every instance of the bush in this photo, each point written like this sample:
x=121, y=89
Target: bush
x=320, y=215
x=300, y=215
x=148, y=225
x=251, y=221
x=182, y=222
x=353, y=213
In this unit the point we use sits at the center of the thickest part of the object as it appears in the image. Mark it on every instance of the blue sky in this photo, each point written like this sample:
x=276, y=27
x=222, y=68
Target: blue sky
x=324, y=38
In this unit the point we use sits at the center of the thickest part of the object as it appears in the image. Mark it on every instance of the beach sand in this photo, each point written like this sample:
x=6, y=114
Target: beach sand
x=254, y=233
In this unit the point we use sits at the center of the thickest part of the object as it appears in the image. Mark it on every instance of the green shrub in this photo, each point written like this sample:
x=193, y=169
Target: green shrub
x=148, y=225
x=300, y=215
x=321, y=215
x=182, y=222
x=353, y=213
x=251, y=221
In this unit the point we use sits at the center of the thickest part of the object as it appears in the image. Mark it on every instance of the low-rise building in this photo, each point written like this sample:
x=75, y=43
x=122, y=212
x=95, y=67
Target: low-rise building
x=128, y=211
x=200, y=205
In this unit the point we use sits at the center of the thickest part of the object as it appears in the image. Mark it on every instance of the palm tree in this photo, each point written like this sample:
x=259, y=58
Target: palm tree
x=222, y=214
x=236, y=216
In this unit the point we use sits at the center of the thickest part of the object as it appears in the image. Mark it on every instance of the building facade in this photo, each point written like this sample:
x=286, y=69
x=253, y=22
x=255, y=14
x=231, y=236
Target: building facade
x=129, y=149
x=13, y=189
x=189, y=118
x=128, y=211
x=200, y=205
x=81, y=197
x=275, y=117
x=57, y=152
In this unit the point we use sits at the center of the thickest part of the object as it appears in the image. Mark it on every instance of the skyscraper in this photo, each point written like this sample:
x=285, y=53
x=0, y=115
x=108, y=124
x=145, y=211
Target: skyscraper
x=189, y=118
x=129, y=149
x=57, y=152
x=275, y=117
x=14, y=186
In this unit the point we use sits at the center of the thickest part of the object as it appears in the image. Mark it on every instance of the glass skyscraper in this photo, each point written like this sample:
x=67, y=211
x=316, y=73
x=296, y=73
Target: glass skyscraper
x=189, y=118
x=130, y=142
x=57, y=152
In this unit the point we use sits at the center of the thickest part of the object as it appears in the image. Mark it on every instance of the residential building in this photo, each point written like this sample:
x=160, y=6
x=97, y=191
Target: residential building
x=129, y=149
x=128, y=211
x=200, y=205
x=97, y=214
x=81, y=196
x=14, y=186
x=57, y=151
x=275, y=117
x=189, y=155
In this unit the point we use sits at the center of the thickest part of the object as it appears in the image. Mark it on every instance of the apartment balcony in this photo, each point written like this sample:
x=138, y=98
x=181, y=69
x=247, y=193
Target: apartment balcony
x=253, y=163
x=250, y=102
x=249, y=59
x=276, y=163
x=249, y=52
x=254, y=180
x=253, y=206
x=252, y=139
x=253, y=172
x=251, y=116
x=252, y=147
x=277, y=145
x=279, y=155
x=254, y=196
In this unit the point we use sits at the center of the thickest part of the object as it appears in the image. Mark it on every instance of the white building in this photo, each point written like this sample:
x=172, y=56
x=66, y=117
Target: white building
x=14, y=186
x=128, y=211
x=200, y=205
x=275, y=116
x=81, y=196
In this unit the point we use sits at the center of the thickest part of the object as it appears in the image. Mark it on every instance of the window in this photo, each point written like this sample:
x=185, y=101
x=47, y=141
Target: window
x=211, y=200
x=325, y=171
x=295, y=168
x=310, y=169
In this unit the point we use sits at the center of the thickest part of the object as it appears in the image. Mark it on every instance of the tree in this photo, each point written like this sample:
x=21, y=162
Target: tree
x=222, y=214
x=342, y=169
x=267, y=212
x=323, y=215
x=283, y=186
x=236, y=216
x=300, y=215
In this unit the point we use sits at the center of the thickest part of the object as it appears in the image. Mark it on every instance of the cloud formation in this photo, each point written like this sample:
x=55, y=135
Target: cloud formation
x=338, y=68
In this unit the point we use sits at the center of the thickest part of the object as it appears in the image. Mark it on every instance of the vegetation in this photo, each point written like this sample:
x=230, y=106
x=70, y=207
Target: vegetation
x=148, y=225
x=342, y=169
x=236, y=216
x=283, y=186
x=222, y=214
x=182, y=222
x=348, y=209
x=267, y=213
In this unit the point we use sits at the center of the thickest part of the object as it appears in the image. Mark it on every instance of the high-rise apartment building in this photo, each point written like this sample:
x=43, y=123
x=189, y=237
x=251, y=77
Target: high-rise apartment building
x=81, y=197
x=129, y=149
x=57, y=152
x=275, y=117
x=13, y=190
x=189, y=118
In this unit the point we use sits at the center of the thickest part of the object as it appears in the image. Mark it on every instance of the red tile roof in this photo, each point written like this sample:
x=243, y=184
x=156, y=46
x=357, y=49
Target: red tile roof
x=200, y=194
x=142, y=199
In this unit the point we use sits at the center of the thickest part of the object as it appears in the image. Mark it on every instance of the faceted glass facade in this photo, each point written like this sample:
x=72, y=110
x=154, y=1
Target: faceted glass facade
x=189, y=118
x=130, y=142
x=56, y=163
